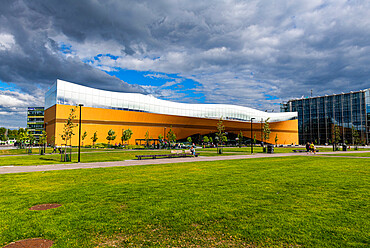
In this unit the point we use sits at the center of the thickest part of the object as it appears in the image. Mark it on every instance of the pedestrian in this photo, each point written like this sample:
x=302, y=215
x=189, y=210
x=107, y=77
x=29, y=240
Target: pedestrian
x=55, y=149
x=308, y=147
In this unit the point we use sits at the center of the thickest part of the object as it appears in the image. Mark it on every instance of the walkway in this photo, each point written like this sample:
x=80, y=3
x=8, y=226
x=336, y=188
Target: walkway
x=20, y=169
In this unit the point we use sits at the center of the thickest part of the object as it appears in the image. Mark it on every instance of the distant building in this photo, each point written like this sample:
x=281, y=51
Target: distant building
x=317, y=116
x=144, y=114
x=35, y=121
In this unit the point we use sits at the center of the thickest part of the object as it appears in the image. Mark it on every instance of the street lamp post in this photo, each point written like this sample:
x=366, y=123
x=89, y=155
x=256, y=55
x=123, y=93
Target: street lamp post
x=79, y=136
x=46, y=138
x=252, y=135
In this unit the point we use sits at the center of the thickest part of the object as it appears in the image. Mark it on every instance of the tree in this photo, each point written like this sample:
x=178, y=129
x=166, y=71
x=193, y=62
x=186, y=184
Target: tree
x=83, y=137
x=240, y=138
x=147, y=138
x=266, y=130
x=111, y=136
x=42, y=141
x=189, y=140
x=68, y=131
x=355, y=137
x=276, y=140
x=336, y=137
x=31, y=141
x=21, y=138
x=94, y=138
x=3, y=132
x=171, y=136
x=210, y=139
x=52, y=140
x=220, y=131
x=126, y=135
x=205, y=139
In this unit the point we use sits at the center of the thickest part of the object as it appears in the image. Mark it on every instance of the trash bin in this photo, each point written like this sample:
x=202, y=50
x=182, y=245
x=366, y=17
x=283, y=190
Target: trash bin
x=270, y=149
x=220, y=151
x=344, y=148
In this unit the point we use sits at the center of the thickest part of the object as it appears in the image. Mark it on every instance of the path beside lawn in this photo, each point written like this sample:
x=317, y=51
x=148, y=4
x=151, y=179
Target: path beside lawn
x=20, y=169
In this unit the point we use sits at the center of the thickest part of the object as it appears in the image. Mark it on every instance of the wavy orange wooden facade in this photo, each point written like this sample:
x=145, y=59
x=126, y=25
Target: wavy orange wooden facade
x=102, y=120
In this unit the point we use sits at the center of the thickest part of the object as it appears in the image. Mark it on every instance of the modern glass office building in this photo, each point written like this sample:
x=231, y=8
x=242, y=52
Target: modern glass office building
x=317, y=116
x=103, y=110
x=35, y=121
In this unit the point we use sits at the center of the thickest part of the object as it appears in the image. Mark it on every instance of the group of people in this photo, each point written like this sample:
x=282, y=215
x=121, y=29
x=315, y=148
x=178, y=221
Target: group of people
x=310, y=148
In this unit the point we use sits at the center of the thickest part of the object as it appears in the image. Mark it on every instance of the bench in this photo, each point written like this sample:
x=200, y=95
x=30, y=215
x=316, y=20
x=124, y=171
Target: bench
x=304, y=150
x=171, y=155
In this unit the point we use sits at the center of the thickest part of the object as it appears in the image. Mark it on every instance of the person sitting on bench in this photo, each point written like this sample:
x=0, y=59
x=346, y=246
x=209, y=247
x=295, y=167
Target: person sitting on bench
x=192, y=151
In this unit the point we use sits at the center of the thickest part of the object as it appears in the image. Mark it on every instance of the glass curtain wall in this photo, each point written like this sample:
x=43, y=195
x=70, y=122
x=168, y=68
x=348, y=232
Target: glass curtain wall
x=317, y=117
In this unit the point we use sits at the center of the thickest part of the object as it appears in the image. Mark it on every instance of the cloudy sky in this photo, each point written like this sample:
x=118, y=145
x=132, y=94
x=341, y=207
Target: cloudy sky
x=249, y=53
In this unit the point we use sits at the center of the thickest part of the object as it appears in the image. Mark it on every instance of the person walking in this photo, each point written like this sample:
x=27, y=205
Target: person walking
x=308, y=147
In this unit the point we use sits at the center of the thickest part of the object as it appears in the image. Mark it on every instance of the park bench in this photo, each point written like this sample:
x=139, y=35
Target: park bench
x=173, y=154
x=316, y=150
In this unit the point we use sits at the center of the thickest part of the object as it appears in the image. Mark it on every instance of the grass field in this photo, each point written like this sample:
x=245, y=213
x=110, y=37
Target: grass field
x=360, y=154
x=271, y=202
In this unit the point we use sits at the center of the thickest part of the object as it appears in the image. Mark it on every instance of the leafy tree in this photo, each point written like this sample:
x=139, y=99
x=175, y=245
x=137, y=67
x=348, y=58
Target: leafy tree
x=171, y=136
x=205, y=139
x=126, y=135
x=94, y=138
x=31, y=140
x=43, y=140
x=147, y=137
x=336, y=137
x=189, y=140
x=3, y=132
x=83, y=137
x=356, y=137
x=52, y=140
x=21, y=138
x=220, y=131
x=111, y=136
x=276, y=139
x=266, y=130
x=68, y=131
x=210, y=139
x=240, y=138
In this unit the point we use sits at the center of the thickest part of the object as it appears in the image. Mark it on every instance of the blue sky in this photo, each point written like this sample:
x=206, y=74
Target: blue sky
x=251, y=53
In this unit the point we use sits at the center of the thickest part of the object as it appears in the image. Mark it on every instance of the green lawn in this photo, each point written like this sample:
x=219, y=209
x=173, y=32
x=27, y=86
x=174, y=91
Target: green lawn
x=271, y=202
x=360, y=154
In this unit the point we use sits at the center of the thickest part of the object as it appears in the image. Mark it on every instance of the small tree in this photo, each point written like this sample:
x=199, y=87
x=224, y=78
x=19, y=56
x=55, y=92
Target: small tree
x=355, y=137
x=190, y=140
x=276, y=139
x=336, y=137
x=147, y=137
x=42, y=141
x=210, y=139
x=111, y=136
x=94, y=138
x=266, y=130
x=126, y=135
x=240, y=138
x=220, y=132
x=68, y=131
x=31, y=140
x=83, y=137
x=171, y=136
x=52, y=140
x=205, y=140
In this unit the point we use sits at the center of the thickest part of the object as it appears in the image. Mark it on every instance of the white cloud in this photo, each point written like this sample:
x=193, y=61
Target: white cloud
x=6, y=41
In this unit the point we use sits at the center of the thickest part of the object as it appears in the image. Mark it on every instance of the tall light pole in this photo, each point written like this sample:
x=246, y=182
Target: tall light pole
x=79, y=135
x=252, y=135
